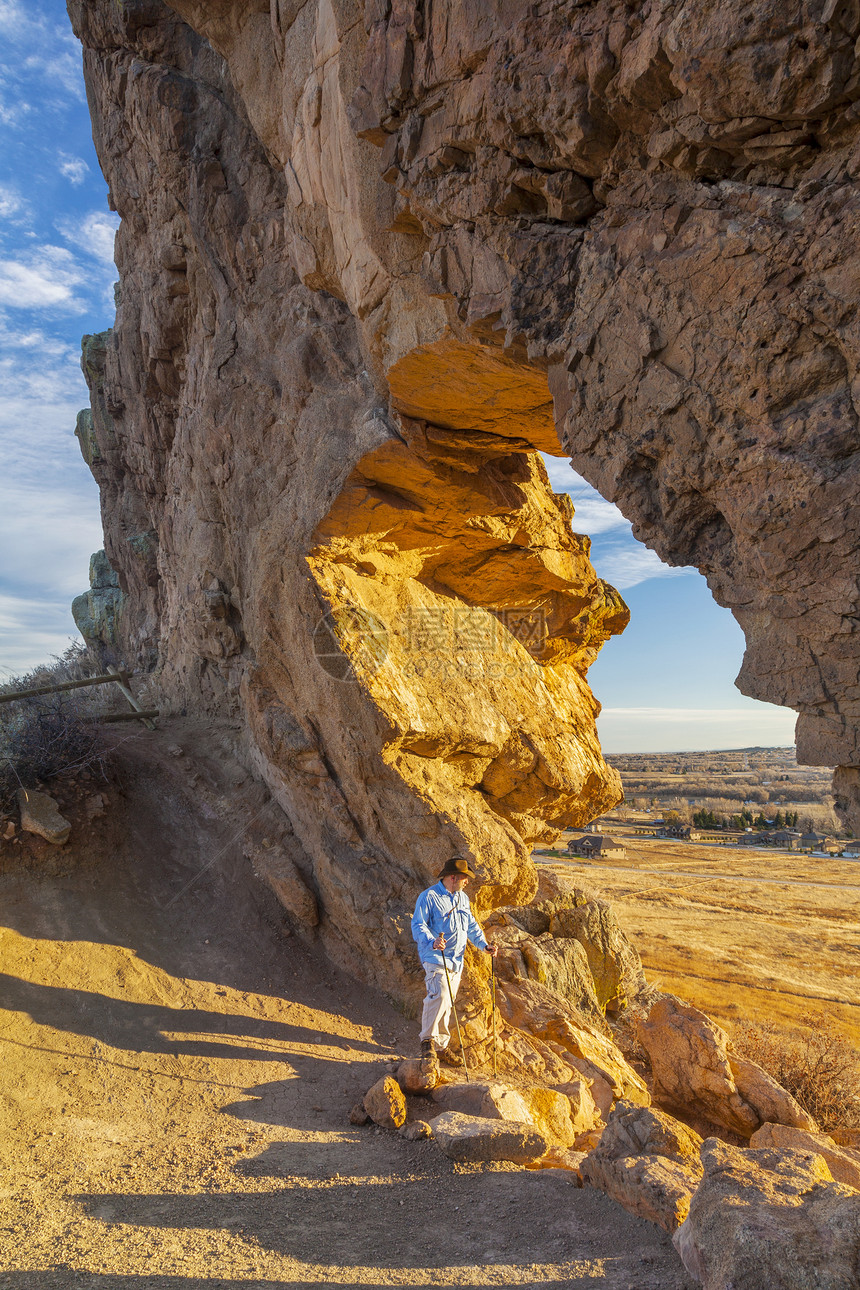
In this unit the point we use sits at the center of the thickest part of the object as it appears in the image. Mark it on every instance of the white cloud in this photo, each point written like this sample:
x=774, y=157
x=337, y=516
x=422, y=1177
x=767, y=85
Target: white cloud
x=13, y=207
x=14, y=20
x=593, y=513
x=38, y=51
x=48, y=535
x=95, y=234
x=60, y=66
x=75, y=169
x=44, y=278
x=32, y=631
x=627, y=566
x=695, y=715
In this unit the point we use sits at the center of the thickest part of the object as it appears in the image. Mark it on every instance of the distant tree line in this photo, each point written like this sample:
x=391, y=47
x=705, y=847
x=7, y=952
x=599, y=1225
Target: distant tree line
x=745, y=820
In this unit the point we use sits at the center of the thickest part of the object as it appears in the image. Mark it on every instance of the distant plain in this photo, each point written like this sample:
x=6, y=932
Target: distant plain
x=746, y=934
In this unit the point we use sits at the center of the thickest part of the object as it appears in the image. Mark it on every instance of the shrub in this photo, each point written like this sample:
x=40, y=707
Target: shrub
x=819, y=1068
x=49, y=734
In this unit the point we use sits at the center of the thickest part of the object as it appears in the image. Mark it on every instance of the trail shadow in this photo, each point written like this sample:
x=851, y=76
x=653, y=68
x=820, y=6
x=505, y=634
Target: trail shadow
x=139, y=1027
x=491, y=1219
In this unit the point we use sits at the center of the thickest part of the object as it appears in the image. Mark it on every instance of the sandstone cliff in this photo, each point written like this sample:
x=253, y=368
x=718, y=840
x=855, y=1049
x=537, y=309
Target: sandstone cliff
x=382, y=592
x=371, y=260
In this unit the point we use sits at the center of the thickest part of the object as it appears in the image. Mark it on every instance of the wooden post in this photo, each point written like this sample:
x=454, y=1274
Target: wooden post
x=122, y=679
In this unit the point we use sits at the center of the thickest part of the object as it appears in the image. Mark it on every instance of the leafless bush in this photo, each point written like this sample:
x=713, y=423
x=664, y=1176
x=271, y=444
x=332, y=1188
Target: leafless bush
x=49, y=734
x=819, y=1068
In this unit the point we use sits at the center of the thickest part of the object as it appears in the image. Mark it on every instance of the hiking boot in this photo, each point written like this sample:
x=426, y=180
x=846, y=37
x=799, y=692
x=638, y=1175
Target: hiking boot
x=427, y=1049
x=450, y=1058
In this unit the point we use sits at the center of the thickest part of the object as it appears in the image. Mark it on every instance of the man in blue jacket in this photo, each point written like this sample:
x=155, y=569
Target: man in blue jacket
x=441, y=925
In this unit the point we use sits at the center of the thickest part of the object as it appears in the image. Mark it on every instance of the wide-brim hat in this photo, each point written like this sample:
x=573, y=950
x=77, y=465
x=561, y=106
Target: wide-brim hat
x=456, y=867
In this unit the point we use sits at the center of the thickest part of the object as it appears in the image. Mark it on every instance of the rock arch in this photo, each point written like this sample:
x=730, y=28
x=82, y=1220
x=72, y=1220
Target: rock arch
x=369, y=265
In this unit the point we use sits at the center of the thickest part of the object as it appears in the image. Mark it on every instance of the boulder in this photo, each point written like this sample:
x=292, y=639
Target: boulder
x=843, y=1162
x=694, y=1071
x=415, y=1131
x=578, y=917
x=385, y=1103
x=547, y=1110
x=473, y=1139
x=550, y=1112
x=39, y=815
x=418, y=1075
x=648, y=1162
x=770, y=1217
x=771, y=1102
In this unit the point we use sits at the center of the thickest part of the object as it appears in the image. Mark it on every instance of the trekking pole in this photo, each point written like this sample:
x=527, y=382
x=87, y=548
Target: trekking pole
x=456, y=1018
x=493, y=1007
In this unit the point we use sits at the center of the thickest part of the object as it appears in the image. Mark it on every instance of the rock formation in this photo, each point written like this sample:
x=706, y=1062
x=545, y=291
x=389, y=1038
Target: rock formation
x=370, y=263
x=97, y=612
x=648, y=210
x=774, y=1217
x=378, y=588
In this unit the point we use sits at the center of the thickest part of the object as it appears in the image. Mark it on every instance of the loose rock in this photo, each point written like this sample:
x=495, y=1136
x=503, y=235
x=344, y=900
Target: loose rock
x=470, y=1138
x=418, y=1075
x=416, y=1130
x=385, y=1103
x=358, y=1115
x=695, y=1071
x=843, y=1162
x=39, y=815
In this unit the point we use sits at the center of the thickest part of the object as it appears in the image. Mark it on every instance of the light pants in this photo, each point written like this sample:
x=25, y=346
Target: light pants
x=437, y=1003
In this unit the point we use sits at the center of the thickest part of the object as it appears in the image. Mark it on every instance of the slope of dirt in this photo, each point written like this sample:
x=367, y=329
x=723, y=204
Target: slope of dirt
x=177, y=1072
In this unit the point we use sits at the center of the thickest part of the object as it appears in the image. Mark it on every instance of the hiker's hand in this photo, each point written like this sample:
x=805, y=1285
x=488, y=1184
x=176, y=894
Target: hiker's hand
x=492, y=950
x=439, y=943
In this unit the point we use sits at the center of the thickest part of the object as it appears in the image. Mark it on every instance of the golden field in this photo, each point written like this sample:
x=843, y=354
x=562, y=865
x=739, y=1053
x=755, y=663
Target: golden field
x=743, y=934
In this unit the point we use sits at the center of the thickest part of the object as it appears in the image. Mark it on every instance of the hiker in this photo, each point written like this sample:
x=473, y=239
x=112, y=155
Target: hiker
x=441, y=925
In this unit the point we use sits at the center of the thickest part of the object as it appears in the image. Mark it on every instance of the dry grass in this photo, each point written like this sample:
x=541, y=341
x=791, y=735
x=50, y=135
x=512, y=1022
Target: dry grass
x=745, y=935
x=51, y=734
x=819, y=1068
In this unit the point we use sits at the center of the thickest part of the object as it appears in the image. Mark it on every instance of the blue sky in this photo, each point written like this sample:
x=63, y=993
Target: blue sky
x=56, y=275
x=665, y=684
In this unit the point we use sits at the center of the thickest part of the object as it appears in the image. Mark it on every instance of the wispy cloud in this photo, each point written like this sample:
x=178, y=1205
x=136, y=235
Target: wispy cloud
x=39, y=51
x=75, y=169
x=14, y=208
x=593, y=513
x=697, y=715
x=32, y=630
x=47, y=536
x=627, y=565
x=43, y=278
x=94, y=235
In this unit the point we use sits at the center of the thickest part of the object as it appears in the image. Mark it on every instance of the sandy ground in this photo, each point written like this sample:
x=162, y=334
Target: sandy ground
x=745, y=934
x=177, y=1074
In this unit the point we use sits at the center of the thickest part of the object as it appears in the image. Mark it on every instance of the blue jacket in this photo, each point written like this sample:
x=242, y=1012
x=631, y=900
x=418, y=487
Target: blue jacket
x=439, y=911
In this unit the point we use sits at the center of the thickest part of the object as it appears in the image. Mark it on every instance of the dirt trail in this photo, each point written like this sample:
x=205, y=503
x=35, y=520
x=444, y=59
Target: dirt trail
x=177, y=1074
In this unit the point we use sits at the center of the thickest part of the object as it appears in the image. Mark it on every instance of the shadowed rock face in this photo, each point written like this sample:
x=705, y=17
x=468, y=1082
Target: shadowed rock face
x=371, y=577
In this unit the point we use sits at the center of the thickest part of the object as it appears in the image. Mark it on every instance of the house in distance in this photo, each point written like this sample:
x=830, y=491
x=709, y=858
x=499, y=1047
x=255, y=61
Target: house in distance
x=597, y=846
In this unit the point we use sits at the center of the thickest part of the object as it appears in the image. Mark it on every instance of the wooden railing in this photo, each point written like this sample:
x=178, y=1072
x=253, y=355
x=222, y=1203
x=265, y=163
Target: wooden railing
x=114, y=676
